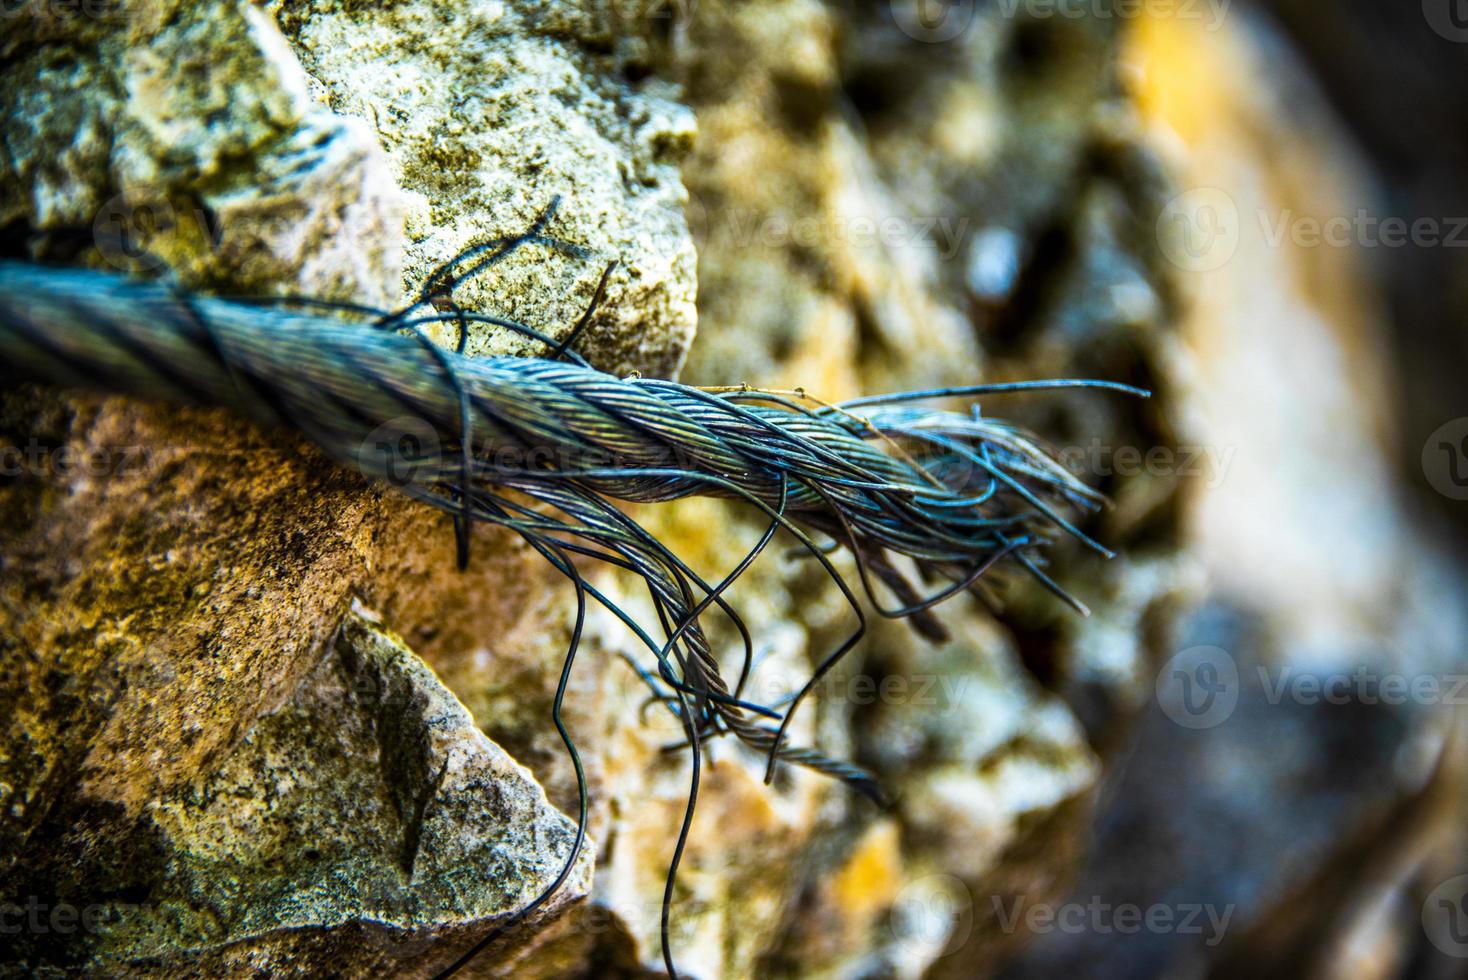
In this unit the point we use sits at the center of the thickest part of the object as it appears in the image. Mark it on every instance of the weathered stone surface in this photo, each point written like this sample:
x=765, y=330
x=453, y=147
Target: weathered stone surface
x=366, y=823
x=488, y=110
x=182, y=136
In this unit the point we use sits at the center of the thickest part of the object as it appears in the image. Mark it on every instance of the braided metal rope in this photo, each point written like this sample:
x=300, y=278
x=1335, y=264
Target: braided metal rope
x=956, y=494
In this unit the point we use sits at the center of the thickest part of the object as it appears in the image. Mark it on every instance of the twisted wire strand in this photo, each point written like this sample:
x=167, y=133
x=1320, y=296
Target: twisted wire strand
x=957, y=495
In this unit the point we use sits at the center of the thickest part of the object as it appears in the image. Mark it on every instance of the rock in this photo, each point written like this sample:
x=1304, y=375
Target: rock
x=181, y=137
x=365, y=822
x=486, y=112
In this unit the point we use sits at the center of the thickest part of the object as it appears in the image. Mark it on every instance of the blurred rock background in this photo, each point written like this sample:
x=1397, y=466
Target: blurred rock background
x=1318, y=798
x=238, y=680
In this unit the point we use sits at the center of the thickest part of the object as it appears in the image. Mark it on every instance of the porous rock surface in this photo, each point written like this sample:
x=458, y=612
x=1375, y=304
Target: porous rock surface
x=872, y=208
x=366, y=823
